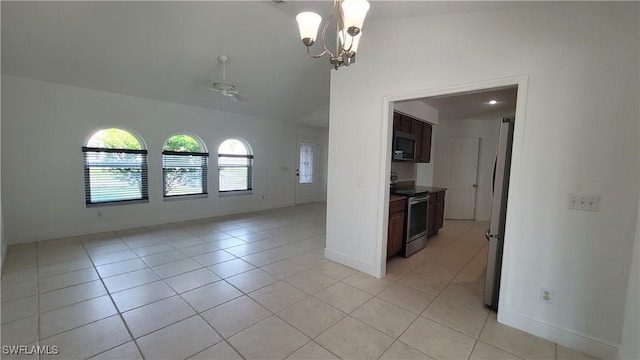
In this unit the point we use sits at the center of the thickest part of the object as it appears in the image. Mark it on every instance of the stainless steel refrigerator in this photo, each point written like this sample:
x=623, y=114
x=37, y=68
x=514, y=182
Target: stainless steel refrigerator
x=495, y=234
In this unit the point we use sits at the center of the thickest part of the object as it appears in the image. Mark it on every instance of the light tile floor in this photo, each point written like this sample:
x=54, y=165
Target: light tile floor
x=253, y=286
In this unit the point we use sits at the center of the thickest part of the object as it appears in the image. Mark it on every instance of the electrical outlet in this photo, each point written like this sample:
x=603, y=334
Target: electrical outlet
x=360, y=181
x=546, y=295
x=99, y=213
x=583, y=202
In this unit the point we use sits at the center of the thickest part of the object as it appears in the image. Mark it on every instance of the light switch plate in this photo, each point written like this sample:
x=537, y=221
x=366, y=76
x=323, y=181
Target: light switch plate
x=583, y=202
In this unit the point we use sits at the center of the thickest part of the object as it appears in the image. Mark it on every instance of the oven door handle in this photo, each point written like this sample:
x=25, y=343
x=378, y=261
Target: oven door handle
x=418, y=199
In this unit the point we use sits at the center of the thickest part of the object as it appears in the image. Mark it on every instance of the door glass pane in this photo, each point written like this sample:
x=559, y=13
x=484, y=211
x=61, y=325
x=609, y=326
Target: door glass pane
x=306, y=163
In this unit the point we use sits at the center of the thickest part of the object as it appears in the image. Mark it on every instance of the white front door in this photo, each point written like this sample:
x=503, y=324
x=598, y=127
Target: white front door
x=306, y=174
x=463, y=172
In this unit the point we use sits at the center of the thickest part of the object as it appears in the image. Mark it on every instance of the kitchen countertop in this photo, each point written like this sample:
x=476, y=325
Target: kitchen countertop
x=413, y=190
x=433, y=189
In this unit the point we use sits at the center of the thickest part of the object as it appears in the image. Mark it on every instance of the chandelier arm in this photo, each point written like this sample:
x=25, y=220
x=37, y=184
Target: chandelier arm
x=339, y=26
x=316, y=56
x=345, y=34
x=326, y=26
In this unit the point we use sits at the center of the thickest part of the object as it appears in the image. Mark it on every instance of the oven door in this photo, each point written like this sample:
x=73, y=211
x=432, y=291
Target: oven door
x=417, y=216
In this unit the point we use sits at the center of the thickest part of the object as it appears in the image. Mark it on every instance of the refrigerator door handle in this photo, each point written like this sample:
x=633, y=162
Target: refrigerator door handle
x=493, y=177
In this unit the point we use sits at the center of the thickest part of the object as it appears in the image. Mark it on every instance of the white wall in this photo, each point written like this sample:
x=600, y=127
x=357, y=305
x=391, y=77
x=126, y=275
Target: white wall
x=3, y=242
x=485, y=129
x=424, y=171
x=405, y=171
x=45, y=125
x=418, y=109
x=579, y=134
x=630, y=347
x=324, y=163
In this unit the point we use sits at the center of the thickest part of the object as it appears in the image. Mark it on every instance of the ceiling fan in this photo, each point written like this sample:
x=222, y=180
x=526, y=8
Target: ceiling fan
x=224, y=87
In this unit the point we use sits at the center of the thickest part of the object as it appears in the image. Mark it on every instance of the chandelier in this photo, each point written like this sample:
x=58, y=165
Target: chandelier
x=349, y=16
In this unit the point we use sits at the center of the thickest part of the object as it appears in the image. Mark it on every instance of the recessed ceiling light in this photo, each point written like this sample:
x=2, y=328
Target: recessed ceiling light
x=492, y=102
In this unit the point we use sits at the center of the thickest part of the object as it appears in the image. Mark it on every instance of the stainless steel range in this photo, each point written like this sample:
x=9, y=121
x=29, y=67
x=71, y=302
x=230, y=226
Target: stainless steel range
x=417, y=219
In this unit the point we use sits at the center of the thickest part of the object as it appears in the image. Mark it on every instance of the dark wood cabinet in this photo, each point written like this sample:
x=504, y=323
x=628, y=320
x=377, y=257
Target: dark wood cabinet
x=395, y=233
x=436, y=212
x=425, y=147
x=431, y=221
x=401, y=122
x=420, y=129
x=416, y=130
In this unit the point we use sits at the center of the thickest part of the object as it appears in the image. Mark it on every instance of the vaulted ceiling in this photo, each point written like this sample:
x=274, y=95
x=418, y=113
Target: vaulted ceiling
x=168, y=50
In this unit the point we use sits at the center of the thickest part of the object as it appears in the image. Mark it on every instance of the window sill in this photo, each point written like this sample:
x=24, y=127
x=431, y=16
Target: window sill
x=118, y=203
x=185, y=197
x=235, y=193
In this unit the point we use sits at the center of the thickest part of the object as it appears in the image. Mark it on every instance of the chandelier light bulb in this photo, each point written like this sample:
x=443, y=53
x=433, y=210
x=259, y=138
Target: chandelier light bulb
x=308, y=23
x=354, y=14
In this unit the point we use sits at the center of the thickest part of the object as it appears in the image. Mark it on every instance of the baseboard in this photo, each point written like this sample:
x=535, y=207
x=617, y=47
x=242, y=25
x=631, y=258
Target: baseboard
x=122, y=225
x=350, y=262
x=581, y=342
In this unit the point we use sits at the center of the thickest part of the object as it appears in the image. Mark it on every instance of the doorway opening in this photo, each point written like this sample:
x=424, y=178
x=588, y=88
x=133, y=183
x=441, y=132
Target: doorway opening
x=464, y=152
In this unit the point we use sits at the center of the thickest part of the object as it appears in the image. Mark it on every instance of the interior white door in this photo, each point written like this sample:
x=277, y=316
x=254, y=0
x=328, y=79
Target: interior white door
x=306, y=174
x=463, y=173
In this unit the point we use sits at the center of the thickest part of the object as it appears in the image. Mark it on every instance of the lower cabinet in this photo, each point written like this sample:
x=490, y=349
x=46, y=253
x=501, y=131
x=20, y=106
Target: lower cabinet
x=431, y=221
x=436, y=212
x=395, y=235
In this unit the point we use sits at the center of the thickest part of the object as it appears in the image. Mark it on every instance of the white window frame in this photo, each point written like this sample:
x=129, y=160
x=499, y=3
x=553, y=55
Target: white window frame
x=204, y=167
x=248, y=189
x=91, y=157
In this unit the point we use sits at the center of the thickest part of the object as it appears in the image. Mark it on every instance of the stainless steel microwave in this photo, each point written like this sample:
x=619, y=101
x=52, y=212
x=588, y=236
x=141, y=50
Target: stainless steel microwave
x=404, y=146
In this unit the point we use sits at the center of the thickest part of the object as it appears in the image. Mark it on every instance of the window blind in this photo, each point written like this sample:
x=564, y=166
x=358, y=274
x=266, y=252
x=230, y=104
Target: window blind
x=235, y=172
x=184, y=173
x=115, y=175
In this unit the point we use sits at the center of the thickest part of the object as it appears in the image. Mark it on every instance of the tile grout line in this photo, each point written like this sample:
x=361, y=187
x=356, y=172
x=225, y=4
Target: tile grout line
x=199, y=314
x=376, y=295
x=397, y=281
x=117, y=311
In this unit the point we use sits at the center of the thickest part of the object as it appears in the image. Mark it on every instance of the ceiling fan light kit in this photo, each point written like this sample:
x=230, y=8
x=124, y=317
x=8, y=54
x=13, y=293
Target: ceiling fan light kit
x=349, y=18
x=224, y=87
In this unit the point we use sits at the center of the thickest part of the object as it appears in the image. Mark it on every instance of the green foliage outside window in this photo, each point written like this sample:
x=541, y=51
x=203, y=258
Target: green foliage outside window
x=182, y=143
x=108, y=169
x=183, y=174
x=114, y=139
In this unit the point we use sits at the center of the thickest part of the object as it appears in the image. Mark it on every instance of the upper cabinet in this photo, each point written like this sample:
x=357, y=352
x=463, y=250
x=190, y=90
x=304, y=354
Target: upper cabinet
x=418, y=128
x=401, y=122
x=425, y=148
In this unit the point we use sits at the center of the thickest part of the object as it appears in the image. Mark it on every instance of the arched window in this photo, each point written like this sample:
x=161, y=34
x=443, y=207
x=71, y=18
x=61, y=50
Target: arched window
x=235, y=166
x=115, y=168
x=184, y=166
